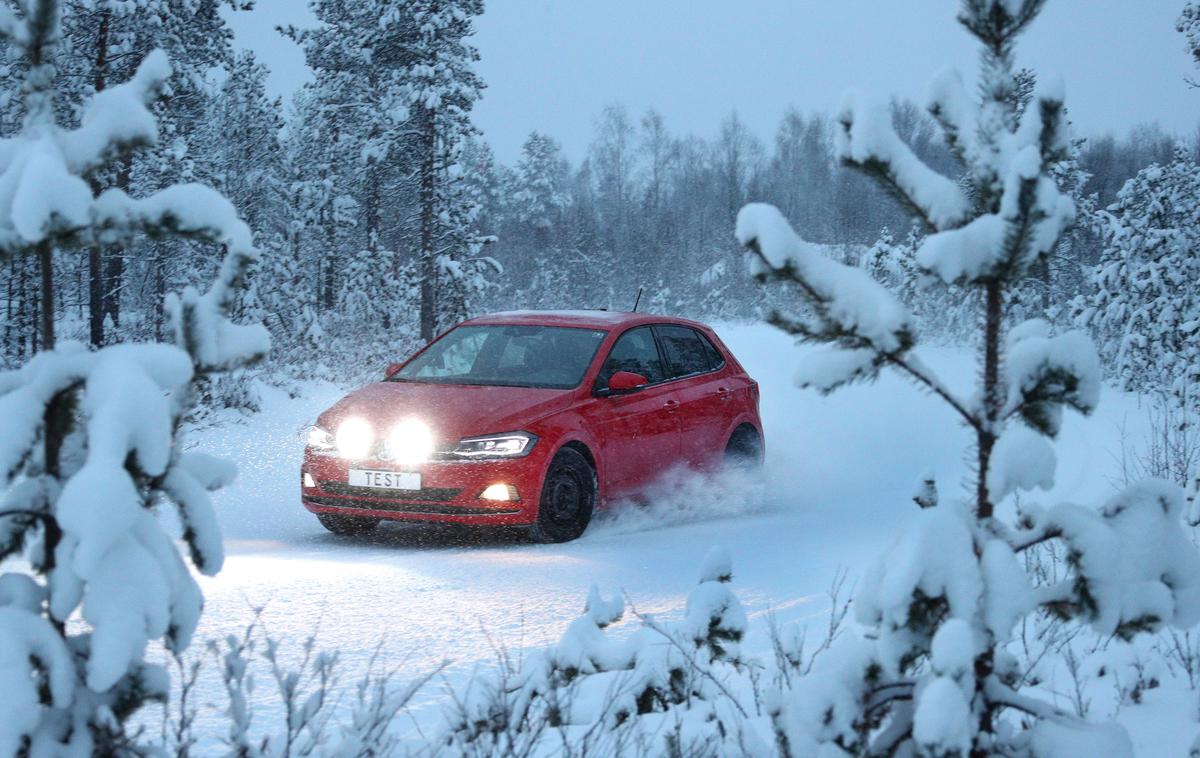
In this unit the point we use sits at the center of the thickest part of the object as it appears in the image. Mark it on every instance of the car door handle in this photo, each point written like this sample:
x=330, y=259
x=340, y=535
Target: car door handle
x=724, y=393
x=671, y=406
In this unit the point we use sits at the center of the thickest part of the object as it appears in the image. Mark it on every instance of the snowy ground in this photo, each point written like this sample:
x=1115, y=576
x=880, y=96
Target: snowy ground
x=838, y=481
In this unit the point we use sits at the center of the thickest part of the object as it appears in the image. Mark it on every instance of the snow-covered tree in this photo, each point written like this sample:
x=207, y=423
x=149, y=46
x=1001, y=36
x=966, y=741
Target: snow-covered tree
x=353, y=145
x=441, y=89
x=91, y=448
x=539, y=200
x=1188, y=24
x=103, y=41
x=893, y=264
x=1143, y=307
x=933, y=675
x=541, y=179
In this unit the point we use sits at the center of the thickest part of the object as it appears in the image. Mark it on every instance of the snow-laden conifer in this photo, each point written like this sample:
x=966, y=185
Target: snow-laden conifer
x=932, y=674
x=91, y=447
x=1143, y=306
x=1188, y=24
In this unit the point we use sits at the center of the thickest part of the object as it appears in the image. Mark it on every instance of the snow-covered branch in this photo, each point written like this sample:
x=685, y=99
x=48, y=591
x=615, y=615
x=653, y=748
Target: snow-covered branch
x=867, y=141
x=863, y=321
x=118, y=118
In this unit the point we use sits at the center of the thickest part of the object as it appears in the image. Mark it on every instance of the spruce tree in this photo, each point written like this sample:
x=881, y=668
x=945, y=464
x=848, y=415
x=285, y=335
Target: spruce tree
x=1143, y=306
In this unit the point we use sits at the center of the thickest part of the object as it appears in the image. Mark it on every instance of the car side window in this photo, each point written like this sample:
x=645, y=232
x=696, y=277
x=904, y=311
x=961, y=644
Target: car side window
x=686, y=351
x=634, y=351
x=715, y=359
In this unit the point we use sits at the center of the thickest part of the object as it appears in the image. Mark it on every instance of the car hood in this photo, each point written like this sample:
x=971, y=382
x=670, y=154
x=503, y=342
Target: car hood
x=451, y=411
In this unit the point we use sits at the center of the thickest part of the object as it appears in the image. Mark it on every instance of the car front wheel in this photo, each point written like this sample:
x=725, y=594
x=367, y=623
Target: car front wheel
x=347, y=526
x=568, y=498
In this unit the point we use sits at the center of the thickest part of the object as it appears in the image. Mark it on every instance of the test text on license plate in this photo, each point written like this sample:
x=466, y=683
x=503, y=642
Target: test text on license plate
x=386, y=480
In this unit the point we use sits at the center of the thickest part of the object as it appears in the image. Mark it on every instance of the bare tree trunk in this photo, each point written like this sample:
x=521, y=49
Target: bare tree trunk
x=326, y=271
x=10, y=348
x=160, y=291
x=114, y=265
x=95, y=256
x=428, y=228
x=45, y=253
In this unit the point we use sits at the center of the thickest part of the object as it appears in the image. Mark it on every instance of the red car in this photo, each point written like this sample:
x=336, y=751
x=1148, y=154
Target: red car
x=531, y=418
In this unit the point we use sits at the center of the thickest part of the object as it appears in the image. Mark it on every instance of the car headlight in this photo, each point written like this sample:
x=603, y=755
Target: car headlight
x=354, y=438
x=507, y=445
x=321, y=440
x=411, y=441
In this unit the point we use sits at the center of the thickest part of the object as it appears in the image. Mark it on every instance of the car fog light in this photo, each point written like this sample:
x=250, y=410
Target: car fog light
x=308, y=480
x=499, y=492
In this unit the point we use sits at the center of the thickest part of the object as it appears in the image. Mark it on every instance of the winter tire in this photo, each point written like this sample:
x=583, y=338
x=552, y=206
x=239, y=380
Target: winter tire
x=568, y=498
x=744, y=450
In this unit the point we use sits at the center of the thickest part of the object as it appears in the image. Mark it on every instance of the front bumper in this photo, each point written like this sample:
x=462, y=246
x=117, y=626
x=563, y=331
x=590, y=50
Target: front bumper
x=449, y=490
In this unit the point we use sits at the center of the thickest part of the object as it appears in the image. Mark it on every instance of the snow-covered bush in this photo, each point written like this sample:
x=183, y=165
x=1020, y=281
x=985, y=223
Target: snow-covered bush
x=663, y=688
x=934, y=673
x=273, y=706
x=91, y=437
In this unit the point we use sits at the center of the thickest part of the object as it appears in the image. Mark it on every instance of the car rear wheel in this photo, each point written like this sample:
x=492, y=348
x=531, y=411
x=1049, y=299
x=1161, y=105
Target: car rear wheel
x=568, y=498
x=347, y=526
x=744, y=450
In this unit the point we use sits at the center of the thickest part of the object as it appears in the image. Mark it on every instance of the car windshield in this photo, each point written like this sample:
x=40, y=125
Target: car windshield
x=550, y=357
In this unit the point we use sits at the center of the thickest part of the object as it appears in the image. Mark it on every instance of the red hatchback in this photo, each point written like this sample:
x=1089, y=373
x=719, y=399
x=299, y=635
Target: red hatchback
x=531, y=418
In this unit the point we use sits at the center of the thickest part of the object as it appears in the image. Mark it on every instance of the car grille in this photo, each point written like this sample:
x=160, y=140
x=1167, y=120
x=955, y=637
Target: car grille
x=429, y=494
x=430, y=509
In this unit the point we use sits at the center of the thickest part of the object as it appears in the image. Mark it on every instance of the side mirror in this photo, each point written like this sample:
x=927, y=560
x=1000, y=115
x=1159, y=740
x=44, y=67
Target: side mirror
x=622, y=382
x=392, y=370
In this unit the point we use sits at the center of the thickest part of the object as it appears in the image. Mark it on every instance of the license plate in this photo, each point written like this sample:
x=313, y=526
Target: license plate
x=385, y=480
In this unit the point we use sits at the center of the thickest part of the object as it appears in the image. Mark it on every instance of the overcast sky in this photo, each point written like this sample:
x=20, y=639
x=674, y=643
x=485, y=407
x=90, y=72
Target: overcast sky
x=551, y=65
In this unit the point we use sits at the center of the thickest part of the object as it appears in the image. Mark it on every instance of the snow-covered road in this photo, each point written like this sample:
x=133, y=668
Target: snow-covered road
x=837, y=483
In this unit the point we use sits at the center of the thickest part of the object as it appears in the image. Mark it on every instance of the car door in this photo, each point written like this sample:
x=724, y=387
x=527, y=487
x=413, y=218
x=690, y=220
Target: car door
x=638, y=432
x=696, y=369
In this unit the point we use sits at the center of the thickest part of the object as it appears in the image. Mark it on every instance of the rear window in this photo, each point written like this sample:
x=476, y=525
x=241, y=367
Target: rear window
x=687, y=351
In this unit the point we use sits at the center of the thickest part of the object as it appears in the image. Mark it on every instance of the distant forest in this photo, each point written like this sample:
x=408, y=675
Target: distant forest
x=384, y=217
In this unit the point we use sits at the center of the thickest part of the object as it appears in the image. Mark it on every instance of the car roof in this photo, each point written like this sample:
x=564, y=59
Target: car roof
x=583, y=319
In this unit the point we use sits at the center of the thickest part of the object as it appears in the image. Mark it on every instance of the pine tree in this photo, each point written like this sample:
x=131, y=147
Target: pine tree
x=934, y=675
x=1143, y=307
x=441, y=89
x=92, y=446
x=355, y=136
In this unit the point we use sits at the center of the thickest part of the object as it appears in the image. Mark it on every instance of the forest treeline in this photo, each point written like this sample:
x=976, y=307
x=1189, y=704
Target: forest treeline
x=384, y=217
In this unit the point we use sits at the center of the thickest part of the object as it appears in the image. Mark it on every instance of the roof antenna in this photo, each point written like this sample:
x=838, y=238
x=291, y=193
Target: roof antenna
x=638, y=300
